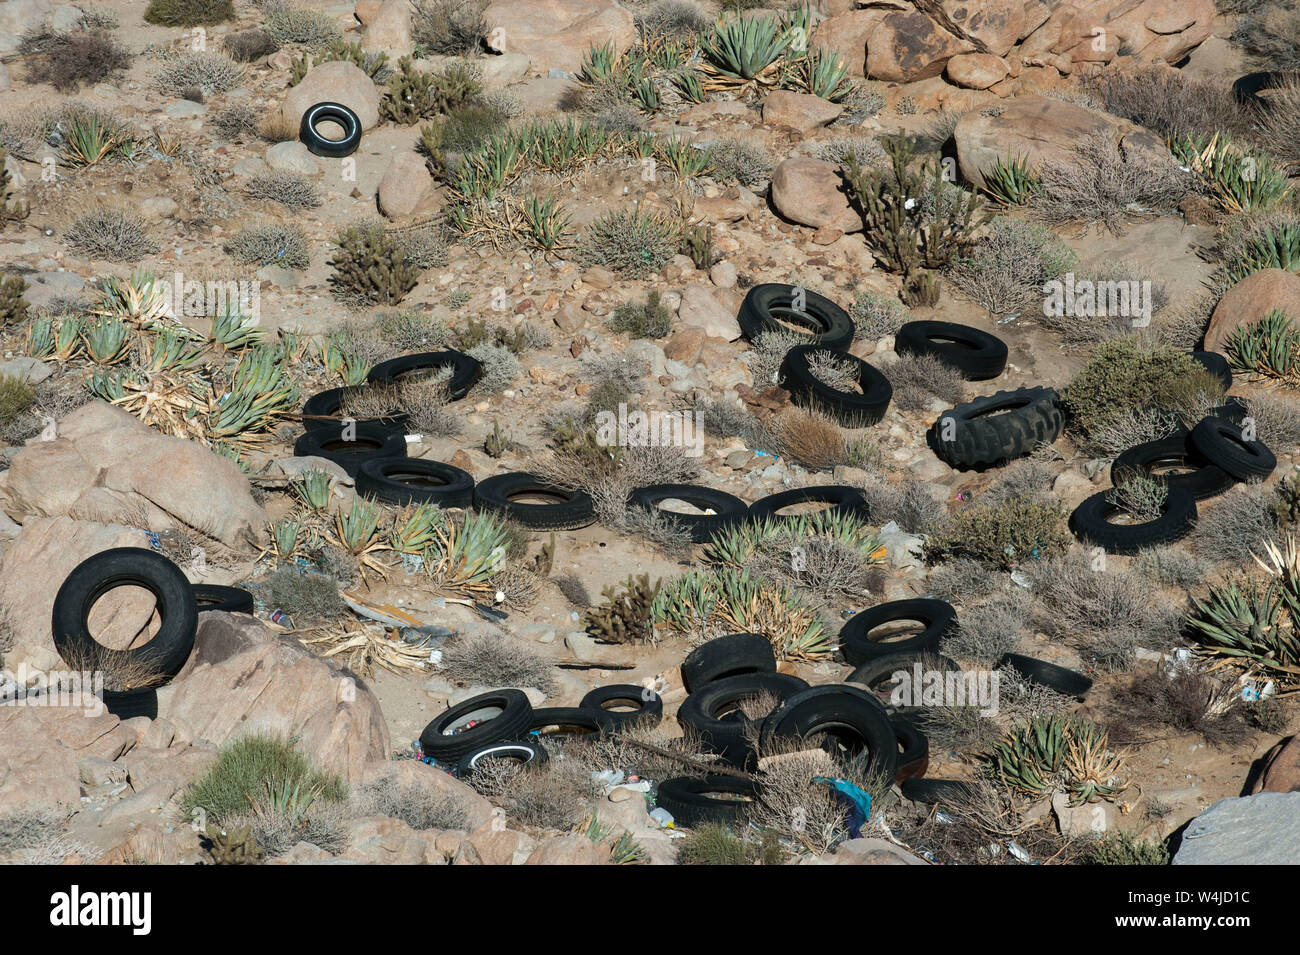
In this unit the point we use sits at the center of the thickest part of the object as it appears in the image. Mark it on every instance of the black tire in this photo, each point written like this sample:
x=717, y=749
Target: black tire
x=209, y=597
x=831, y=326
x=914, y=750
x=573, y=511
x=1199, y=478
x=994, y=429
x=95, y=576
x=1089, y=524
x=937, y=616
x=1216, y=365
x=1247, y=88
x=507, y=713
x=953, y=792
x=415, y=480
x=325, y=409
x=332, y=148
x=710, y=712
x=850, y=409
x=649, y=706
x=528, y=753
x=841, y=498
x=978, y=355
x=692, y=802
x=728, y=509
x=878, y=670
x=736, y=654
x=129, y=704
x=1220, y=442
x=465, y=370
x=371, y=441
x=1061, y=679
x=570, y=722
x=853, y=715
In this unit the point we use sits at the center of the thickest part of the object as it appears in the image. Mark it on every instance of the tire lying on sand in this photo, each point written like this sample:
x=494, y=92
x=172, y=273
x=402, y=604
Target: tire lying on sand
x=465, y=370
x=350, y=449
x=697, y=801
x=1064, y=681
x=223, y=599
x=851, y=409
x=325, y=409
x=177, y=610
x=647, y=706
x=997, y=428
x=1089, y=523
x=766, y=306
x=403, y=480
x=937, y=619
x=978, y=355
x=727, y=508
x=1223, y=444
x=736, y=654
x=1173, y=462
x=527, y=753
x=713, y=711
x=876, y=674
x=568, y=511
x=841, y=498
x=846, y=717
x=500, y=716
x=321, y=145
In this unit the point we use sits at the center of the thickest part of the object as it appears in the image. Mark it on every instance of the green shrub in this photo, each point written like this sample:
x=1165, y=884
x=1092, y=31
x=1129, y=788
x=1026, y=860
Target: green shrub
x=647, y=320
x=469, y=126
x=189, y=13
x=412, y=96
x=371, y=266
x=271, y=245
x=877, y=316
x=631, y=242
x=1006, y=269
x=1124, y=375
x=1009, y=533
x=313, y=29
x=714, y=845
x=16, y=396
x=1123, y=849
x=13, y=307
x=246, y=768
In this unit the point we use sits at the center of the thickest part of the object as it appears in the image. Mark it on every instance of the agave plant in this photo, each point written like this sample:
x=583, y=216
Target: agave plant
x=1276, y=247
x=1011, y=184
x=684, y=159
x=90, y=139
x=260, y=391
x=470, y=553
x=107, y=386
x=1270, y=346
x=744, y=50
x=415, y=529
x=357, y=531
x=546, y=221
x=599, y=64
x=141, y=300
x=821, y=73
x=105, y=340
x=1060, y=752
x=40, y=337
x=754, y=606
x=642, y=88
x=313, y=489
x=688, y=86
x=686, y=603
x=1247, y=623
x=67, y=340
x=284, y=537
x=1237, y=180
x=171, y=350
x=290, y=800
x=233, y=330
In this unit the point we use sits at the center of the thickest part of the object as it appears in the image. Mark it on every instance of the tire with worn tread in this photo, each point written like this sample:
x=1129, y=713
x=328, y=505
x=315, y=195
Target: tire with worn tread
x=210, y=597
x=937, y=617
x=997, y=428
x=692, y=799
x=649, y=705
x=842, y=498
x=371, y=441
x=499, y=716
x=877, y=670
x=1198, y=477
x=465, y=370
x=1220, y=442
x=528, y=753
x=854, y=717
x=711, y=712
x=1061, y=679
x=728, y=509
x=325, y=408
x=405, y=481
x=570, y=722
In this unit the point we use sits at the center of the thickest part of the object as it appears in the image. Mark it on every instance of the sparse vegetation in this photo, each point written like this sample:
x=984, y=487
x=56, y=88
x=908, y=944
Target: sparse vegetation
x=112, y=234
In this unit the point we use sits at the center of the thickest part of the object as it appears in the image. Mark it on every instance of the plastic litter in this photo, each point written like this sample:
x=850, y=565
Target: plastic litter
x=662, y=816
x=281, y=618
x=1020, y=854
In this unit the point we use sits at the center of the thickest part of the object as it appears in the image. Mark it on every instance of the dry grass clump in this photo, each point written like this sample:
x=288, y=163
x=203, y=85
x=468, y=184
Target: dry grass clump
x=113, y=234
x=553, y=796
x=290, y=189
x=1168, y=102
x=449, y=27
x=1185, y=700
x=494, y=661
x=67, y=61
x=1236, y=526
x=208, y=72
x=919, y=380
x=989, y=630
x=122, y=673
x=905, y=500
x=807, y=437
x=420, y=807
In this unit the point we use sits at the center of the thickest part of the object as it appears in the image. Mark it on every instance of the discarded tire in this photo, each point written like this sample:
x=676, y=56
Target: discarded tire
x=996, y=428
x=848, y=717
x=647, y=707
x=1174, y=462
x=736, y=654
x=953, y=792
x=528, y=753
x=326, y=408
x=571, y=510
x=914, y=750
x=332, y=113
x=876, y=674
x=1216, y=365
x=352, y=446
x=727, y=508
x=766, y=306
x=415, y=481
x=695, y=801
x=465, y=370
x=936, y=617
x=129, y=704
x=1247, y=88
x=978, y=355
x=94, y=577
x=568, y=722
x=224, y=599
x=842, y=499
x=849, y=408
x=1064, y=681
x=497, y=717
x=712, y=711
x=1089, y=523
x=1221, y=443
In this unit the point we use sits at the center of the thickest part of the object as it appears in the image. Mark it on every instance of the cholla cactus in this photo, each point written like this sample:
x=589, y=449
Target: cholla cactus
x=626, y=617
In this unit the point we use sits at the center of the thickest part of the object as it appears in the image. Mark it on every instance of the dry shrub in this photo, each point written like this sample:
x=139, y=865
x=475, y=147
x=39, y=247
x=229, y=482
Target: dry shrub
x=1236, y=526
x=903, y=499
x=987, y=631
x=1185, y=701
x=121, y=672
x=807, y=437
x=919, y=380
x=420, y=807
x=1169, y=102
x=494, y=660
x=552, y=796
x=68, y=60
x=963, y=579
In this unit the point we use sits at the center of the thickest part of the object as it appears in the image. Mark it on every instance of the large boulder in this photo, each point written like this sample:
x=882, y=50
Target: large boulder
x=1247, y=830
x=976, y=71
x=404, y=185
x=907, y=46
x=846, y=36
x=389, y=29
x=1250, y=300
x=557, y=33
x=1041, y=129
x=1281, y=769
x=1094, y=32
x=335, y=82
x=811, y=192
x=242, y=678
x=996, y=24
x=105, y=464
x=802, y=112
x=701, y=309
